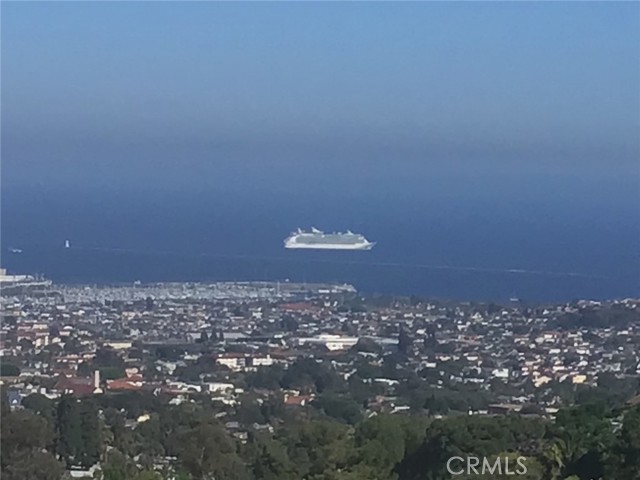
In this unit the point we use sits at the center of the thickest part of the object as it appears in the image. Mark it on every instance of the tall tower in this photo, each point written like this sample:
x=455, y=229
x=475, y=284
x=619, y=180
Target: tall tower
x=96, y=382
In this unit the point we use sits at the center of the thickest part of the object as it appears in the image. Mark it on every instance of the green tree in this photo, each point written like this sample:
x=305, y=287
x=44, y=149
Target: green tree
x=583, y=439
x=319, y=449
x=33, y=465
x=367, y=345
x=626, y=451
x=79, y=438
x=506, y=466
x=24, y=438
x=41, y=405
x=269, y=460
x=149, y=304
x=248, y=410
x=379, y=446
x=204, y=338
x=266, y=377
x=404, y=342
x=117, y=466
x=5, y=408
x=91, y=435
x=340, y=407
x=9, y=370
x=69, y=430
x=147, y=475
x=111, y=373
x=478, y=435
x=310, y=374
x=108, y=357
x=207, y=452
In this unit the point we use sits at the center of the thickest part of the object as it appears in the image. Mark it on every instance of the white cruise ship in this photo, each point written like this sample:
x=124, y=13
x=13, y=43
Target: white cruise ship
x=317, y=239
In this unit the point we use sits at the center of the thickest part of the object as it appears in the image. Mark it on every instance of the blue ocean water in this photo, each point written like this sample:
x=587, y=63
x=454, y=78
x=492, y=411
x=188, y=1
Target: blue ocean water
x=443, y=246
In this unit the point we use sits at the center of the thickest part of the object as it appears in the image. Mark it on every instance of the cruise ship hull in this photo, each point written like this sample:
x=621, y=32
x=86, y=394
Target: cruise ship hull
x=318, y=240
x=329, y=246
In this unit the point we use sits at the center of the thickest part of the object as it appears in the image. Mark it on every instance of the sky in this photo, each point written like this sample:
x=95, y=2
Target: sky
x=399, y=97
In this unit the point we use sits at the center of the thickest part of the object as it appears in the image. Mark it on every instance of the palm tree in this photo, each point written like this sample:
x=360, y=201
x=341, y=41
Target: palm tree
x=555, y=460
x=562, y=454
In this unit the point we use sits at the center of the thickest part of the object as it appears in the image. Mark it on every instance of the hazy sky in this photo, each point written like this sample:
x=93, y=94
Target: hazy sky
x=191, y=94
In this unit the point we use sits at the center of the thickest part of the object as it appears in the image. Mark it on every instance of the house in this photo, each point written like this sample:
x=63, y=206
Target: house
x=261, y=361
x=220, y=387
x=503, y=409
x=298, y=400
x=14, y=399
x=79, y=473
x=233, y=361
x=132, y=383
x=77, y=386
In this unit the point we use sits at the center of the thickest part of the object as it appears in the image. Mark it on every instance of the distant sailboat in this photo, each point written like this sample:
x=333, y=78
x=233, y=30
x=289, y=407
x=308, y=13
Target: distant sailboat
x=67, y=244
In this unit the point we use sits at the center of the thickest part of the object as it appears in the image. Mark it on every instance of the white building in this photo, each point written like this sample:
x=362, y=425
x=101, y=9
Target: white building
x=262, y=361
x=332, y=342
x=234, y=361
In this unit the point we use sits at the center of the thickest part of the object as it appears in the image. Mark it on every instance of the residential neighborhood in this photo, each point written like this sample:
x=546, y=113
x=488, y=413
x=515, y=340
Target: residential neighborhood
x=186, y=339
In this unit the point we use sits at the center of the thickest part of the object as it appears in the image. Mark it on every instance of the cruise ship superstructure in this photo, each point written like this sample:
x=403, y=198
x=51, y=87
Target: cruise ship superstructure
x=317, y=239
